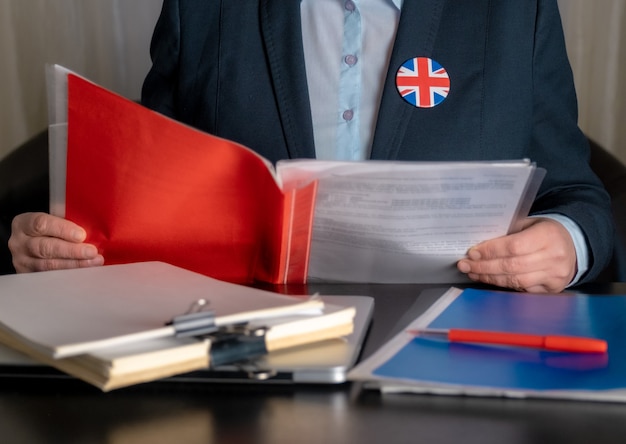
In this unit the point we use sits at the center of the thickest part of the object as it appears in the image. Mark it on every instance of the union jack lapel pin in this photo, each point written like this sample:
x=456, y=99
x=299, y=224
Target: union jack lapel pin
x=423, y=82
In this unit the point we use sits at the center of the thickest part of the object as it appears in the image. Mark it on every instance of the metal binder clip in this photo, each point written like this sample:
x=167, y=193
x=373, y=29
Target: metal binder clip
x=237, y=344
x=243, y=329
x=195, y=322
x=261, y=374
x=253, y=370
x=197, y=306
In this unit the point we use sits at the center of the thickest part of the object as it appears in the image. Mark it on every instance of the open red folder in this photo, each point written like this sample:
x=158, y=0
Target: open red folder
x=146, y=188
x=149, y=188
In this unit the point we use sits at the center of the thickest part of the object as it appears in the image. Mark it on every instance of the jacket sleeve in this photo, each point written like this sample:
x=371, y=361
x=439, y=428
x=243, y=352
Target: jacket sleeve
x=571, y=188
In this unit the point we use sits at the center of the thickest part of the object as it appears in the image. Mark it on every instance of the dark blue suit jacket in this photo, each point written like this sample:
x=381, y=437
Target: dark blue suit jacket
x=236, y=69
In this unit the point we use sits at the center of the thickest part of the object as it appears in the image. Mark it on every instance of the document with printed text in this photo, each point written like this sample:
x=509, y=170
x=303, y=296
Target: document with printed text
x=146, y=187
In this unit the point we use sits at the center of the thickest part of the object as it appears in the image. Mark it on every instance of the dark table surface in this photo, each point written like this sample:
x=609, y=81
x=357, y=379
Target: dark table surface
x=69, y=411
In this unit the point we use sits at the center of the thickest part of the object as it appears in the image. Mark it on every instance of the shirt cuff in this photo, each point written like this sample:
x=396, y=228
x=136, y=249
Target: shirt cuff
x=580, y=243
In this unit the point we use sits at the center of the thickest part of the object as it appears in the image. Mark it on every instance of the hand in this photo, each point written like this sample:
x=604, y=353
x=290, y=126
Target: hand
x=40, y=242
x=541, y=258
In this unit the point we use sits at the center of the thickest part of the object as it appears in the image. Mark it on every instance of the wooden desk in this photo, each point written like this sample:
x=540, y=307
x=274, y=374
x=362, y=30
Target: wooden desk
x=68, y=411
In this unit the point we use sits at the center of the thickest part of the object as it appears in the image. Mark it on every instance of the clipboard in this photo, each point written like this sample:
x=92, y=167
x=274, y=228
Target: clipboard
x=326, y=362
x=99, y=323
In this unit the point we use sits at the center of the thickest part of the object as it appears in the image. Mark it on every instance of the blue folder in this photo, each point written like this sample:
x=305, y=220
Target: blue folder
x=517, y=370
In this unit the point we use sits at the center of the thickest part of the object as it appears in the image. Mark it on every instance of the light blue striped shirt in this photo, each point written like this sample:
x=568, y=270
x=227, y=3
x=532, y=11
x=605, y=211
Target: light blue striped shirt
x=350, y=42
x=347, y=46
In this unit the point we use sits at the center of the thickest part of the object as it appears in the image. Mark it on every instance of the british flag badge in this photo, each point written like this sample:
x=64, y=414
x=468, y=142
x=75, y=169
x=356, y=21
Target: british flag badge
x=423, y=82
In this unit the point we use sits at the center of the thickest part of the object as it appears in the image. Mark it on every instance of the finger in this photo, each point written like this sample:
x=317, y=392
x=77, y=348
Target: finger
x=53, y=248
x=509, y=265
x=33, y=264
x=537, y=234
x=535, y=282
x=521, y=273
x=518, y=244
x=43, y=224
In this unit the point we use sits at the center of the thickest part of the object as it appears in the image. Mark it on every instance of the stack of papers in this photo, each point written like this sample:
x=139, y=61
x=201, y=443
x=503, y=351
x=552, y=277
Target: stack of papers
x=111, y=326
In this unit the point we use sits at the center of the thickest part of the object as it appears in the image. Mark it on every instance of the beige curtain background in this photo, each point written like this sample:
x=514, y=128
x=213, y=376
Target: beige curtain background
x=107, y=40
x=595, y=31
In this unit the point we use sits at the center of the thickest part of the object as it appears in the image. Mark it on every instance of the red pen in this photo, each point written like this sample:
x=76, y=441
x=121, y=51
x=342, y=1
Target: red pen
x=574, y=344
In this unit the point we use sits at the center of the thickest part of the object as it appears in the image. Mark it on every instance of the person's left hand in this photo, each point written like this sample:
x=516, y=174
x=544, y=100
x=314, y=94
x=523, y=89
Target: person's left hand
x=541, y=258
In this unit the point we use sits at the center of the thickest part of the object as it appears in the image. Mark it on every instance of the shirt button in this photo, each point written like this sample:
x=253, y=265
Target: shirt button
x=350, y=60
x=350, y=6
x=348, y=115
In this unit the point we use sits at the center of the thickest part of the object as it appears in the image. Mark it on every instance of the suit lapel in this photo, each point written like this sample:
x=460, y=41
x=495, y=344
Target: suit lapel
x=417, y=30
x=282, y=37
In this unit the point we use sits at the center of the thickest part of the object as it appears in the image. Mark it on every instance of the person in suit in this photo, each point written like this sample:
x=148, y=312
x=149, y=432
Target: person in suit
x=318, y=78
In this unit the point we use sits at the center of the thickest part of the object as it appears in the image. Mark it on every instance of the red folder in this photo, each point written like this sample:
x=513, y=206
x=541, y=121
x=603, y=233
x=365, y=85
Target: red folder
x=146, y=187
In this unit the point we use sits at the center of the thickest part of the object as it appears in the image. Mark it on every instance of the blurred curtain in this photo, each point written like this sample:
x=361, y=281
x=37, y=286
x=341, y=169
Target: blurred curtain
x=595, y=32
x=105, y=40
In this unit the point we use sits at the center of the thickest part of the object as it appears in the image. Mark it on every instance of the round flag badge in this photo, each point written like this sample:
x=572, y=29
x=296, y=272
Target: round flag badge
x=423, y=82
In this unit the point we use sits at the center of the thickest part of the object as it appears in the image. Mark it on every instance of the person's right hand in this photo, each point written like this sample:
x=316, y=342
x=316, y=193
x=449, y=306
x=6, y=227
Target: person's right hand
x=40, y=241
